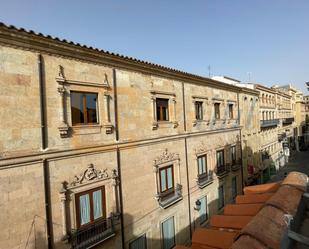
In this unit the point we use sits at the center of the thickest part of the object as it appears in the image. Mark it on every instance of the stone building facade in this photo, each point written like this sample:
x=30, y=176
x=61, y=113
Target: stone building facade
x=99, y=149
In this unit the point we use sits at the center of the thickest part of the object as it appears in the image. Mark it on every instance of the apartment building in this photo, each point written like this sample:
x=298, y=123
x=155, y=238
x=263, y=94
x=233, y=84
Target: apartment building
x=103, y=150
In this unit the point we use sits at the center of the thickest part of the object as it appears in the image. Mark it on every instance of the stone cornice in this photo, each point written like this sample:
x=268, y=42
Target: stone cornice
x=29, y=40
x=50, y=155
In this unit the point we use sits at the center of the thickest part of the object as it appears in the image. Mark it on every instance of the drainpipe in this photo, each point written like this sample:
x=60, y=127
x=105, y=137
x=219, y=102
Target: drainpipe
x=43, y=147
x=189, y=202
x=240, y=139
x=118, y=158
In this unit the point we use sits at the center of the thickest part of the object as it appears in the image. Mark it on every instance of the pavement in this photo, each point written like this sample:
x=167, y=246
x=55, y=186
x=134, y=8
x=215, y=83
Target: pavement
x=298, y=161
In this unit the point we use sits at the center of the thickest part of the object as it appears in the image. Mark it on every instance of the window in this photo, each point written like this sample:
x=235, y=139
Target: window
x=198, y=110
x=217, y=110
x=90, y=206
x=220, y=161
x=221, y=197
x=234, y=187
x=162, y=109
x=203, y=210
x=231, y=116
x=139, y=243
x=168, y=233
x=202, y=165
x=166, y=179
x=84, y=108
x=233, y=154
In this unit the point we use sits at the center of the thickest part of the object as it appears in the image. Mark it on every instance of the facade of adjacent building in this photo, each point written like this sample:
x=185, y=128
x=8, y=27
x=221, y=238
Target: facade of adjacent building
x=99, y=149
x=102, y=150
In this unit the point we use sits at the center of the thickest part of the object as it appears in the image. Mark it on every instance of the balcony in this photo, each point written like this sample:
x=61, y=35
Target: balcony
x=287, y=121
x=281, y=136
x=236, y=165
x=170, y=197
x=269, y=123
x=204, y=179
x=222, y=170
x=92, y=235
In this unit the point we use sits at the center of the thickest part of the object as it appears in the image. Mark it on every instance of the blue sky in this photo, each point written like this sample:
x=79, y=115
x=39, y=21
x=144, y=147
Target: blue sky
x=268, y=38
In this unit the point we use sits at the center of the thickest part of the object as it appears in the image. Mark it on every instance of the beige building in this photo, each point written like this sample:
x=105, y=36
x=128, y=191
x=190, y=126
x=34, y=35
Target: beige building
x=99, y=149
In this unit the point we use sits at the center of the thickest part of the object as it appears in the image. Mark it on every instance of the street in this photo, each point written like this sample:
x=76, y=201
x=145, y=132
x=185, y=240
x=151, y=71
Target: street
x=298, y=161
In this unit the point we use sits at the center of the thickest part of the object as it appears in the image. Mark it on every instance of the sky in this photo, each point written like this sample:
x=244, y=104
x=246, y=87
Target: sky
x=264, y=41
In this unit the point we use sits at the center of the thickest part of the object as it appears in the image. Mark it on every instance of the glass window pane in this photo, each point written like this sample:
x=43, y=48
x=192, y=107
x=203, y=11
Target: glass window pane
x=203, y=210
x=168, y=233
x=163, y=180
x=139, y=243
x=84, y=207
x=91, y=105
x=97, y=204
x=77, y=108
x=169, y=178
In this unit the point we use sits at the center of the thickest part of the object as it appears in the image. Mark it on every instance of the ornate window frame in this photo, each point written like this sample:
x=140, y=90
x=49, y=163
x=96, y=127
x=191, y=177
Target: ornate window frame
x=65, y=86
x=90, y=178
x=205, y=103
x=201, y=150
x=172, y=110
x=167, y=159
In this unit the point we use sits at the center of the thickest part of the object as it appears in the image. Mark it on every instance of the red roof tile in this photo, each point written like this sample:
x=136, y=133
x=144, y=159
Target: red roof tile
x=242, y=209
x=229, y=222
x=262, y=188
x=212, y=238
x=247, y=242
x=297, y=180
x=258, y=198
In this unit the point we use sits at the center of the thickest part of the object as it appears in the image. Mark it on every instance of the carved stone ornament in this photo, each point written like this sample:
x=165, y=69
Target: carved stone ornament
x=91, y=174
x=166, y=157
x=201, y=148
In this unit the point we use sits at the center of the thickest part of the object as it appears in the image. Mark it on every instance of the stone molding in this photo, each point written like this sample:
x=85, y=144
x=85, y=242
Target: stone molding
x=92, y=174
x=166, y=157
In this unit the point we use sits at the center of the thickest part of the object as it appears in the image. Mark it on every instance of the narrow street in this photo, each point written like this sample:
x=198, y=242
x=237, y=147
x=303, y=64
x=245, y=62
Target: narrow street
x=299, y=161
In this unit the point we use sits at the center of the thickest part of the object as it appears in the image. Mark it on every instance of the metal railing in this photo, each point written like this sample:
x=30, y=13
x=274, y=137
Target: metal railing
x=93, y=234
x=167, y=199
x=204, y=179
x=269, y=123
x=222, y=170
x=236, y=164
x=286, y=121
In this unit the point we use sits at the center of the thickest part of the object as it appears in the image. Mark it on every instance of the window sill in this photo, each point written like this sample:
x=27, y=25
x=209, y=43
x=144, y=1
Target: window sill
x=164, y=124
x=204, y=181
x=222, y=174
x=235, y=167
x=166, y=201
x=86, y=129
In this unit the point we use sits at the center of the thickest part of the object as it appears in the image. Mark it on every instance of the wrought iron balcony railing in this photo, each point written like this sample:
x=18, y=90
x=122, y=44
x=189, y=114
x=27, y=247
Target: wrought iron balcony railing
x=236, y=164
x=287, y=121
x=222, y=170
x=169, y=198
x=89, y=236
x=205, y=179
x=269, y=123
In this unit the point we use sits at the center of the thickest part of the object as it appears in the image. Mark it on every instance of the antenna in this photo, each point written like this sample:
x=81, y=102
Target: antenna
x=249, y=76
x=209, y=71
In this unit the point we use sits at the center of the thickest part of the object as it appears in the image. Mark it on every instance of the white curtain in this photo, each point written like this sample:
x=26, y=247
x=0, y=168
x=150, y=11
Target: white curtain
x=97, y=204
x=163, y=180
x=169, y=178
x=168, y=233
x=84, y=205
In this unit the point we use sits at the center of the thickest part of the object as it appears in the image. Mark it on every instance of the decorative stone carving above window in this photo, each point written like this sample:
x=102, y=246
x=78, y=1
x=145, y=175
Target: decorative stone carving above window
x=201, y=148
x=92, y=174
x=166, y=157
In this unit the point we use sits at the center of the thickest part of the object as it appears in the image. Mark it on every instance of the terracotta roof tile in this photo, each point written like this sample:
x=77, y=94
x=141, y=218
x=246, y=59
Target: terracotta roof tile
x=262, y=188
x=212, y=238
x=242, y=209
x=297, y=180
x=268, y=227
x=230, y=222
x=258, y=198
x=287, y=199
x=247, y=242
